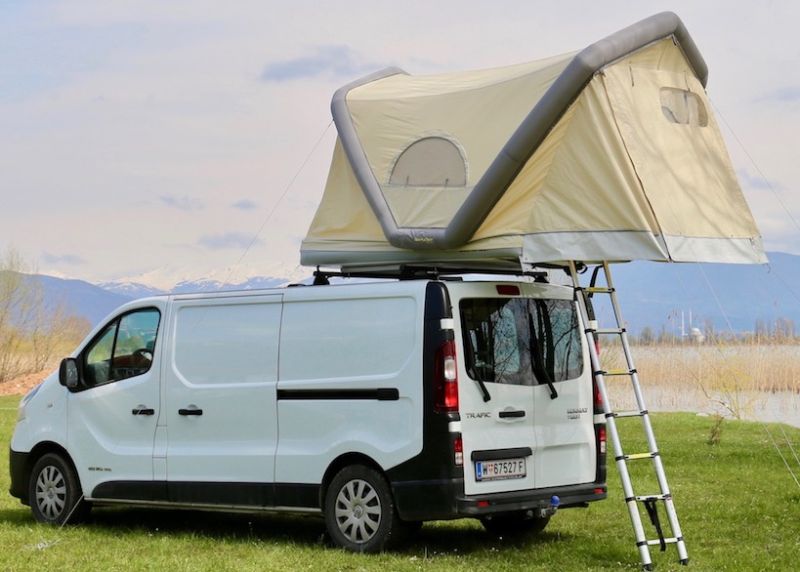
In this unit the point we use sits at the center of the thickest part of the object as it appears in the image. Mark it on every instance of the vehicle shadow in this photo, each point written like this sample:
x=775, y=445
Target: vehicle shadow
x=442, y=537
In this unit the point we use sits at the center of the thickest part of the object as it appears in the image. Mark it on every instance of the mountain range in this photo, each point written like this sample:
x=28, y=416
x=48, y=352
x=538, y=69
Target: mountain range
x=719, y=296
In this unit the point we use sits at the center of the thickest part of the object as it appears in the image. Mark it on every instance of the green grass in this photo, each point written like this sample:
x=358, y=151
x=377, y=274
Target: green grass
x=739, y=509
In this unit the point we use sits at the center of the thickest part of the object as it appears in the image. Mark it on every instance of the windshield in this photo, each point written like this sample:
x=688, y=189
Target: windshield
x=521, y=341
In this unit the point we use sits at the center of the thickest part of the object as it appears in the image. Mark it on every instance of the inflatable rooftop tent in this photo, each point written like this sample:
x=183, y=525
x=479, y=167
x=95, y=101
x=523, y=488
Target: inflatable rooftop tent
x=611, y=153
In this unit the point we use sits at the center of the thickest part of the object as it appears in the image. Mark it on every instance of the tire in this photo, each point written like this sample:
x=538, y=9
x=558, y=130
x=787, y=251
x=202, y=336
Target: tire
x=359, y=510
x=55, y=492
x=514, y=524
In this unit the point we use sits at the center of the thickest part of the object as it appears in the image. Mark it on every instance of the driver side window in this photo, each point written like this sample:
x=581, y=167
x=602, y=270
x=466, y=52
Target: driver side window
x=124, y=349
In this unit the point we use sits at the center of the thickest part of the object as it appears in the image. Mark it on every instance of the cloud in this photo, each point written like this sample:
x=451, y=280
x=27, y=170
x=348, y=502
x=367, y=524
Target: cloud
x=245, y=205
x=183, y=203
x=228, y=240
x=789, y=94
x=70, y=259
x=336, y=61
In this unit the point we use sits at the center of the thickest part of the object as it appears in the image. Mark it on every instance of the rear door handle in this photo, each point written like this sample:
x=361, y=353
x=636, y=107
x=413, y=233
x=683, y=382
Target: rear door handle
x=142, y=410
x=511, y=414
x=190, y=410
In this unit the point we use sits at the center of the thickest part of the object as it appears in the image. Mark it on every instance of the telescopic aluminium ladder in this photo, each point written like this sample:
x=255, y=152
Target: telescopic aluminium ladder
x=649, y=501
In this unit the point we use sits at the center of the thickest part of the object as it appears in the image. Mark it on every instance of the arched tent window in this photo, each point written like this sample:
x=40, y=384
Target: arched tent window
x=430, y=162
x=683, y=107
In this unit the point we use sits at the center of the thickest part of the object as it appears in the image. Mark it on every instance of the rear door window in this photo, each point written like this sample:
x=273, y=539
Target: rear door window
x=521, y=341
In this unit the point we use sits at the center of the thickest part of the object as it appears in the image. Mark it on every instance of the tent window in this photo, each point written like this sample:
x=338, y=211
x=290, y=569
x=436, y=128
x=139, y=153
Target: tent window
x=430, y=162
x=683, y=107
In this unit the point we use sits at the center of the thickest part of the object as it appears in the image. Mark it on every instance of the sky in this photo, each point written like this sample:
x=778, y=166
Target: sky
x=170, y=140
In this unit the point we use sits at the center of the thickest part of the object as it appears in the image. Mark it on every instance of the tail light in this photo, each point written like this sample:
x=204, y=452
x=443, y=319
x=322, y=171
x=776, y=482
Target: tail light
x=446, y=378
x=601, y=439
x=458, y=451
x=598, y=398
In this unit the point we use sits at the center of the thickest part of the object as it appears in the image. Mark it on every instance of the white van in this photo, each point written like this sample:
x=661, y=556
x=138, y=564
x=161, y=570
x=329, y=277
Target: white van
x=377, y=405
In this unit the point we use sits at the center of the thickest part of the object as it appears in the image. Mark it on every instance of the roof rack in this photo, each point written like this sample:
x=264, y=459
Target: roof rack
x=416, y=272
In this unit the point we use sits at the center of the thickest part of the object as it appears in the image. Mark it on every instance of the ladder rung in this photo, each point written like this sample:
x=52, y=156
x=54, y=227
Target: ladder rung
x=609, y=331
x=598, y=290
x=636, y=456
x=627, y=413
x=671, y=540
x=643, y=498
x=618, y=372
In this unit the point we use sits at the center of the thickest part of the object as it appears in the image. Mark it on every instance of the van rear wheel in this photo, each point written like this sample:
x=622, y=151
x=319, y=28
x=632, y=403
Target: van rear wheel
x=55, y=492
x=514, y=523
x=359, y=510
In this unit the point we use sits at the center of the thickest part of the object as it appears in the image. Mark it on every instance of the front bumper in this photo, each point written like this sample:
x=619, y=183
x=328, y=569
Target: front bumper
x=18, y=466
x=445, y=499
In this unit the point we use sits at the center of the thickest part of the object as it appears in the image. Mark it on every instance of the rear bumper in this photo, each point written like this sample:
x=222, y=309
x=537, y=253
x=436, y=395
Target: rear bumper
x=445, y=499
x=18, y=467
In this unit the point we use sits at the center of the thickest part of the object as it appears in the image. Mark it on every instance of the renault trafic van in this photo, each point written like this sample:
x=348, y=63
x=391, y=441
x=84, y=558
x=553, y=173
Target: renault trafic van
x=376, y=405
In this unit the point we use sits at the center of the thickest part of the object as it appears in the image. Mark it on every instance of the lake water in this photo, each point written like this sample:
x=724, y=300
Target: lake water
x=780, y=406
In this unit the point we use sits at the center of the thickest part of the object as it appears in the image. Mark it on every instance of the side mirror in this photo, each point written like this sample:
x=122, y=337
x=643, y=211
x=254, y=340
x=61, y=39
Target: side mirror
x=68, y=373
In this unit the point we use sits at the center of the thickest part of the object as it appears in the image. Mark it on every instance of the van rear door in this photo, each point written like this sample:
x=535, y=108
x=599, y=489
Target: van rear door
x=521, y=345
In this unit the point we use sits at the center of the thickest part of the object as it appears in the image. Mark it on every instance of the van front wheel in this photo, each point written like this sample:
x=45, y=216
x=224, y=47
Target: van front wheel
x=359, y=510
x=514, y=523
x=54, y=491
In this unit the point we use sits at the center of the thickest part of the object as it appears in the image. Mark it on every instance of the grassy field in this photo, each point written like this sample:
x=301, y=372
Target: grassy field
x=739, y=508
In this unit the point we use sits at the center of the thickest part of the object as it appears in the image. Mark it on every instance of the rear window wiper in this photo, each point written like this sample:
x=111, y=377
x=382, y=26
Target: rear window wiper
x=471, y=369
x=486, y=395
x=536, y=348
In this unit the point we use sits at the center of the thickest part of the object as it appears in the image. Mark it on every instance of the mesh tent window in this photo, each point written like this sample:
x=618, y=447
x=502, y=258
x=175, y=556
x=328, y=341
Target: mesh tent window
x=430, y=162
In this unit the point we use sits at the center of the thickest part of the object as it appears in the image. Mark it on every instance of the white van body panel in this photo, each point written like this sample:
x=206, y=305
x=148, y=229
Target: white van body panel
x=223, y=360
x=361, y=337
x=45, y=417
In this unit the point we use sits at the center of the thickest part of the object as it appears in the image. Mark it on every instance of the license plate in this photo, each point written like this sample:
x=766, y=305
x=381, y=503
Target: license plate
x=497, y=470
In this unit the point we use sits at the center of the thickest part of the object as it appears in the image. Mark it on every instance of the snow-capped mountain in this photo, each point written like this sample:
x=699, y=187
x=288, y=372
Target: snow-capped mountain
x=134, y=290
x=255, y=283
x=176, y=279
x=131, y=289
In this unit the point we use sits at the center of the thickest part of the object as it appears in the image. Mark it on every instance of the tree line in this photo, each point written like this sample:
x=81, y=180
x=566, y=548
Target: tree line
x=777, y=331
x=34, y=331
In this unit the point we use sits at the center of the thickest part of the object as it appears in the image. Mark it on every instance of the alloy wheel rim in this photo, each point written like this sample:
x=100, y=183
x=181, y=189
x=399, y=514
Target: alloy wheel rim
x=51, y=492
x=358, y=511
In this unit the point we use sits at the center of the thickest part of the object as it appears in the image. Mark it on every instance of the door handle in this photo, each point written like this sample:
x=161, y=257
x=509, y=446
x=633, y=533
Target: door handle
x=142, y=410
x=190, y=410
x=511, y=414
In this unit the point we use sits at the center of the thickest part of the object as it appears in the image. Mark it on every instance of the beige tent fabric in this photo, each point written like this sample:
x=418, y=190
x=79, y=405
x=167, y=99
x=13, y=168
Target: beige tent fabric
x=344, y=215
x=585, y=156
x=685, y=169
x=617, y=177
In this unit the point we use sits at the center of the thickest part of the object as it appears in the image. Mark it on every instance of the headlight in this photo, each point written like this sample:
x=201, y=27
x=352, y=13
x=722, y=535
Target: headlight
x=29, y=395
x=24, y=402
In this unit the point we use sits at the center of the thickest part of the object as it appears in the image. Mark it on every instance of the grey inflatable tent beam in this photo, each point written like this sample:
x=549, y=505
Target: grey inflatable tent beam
x=522, y=144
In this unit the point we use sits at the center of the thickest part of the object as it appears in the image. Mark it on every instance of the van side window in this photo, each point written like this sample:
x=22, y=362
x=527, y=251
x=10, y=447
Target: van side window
x=521, y=341
x=124, y=348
